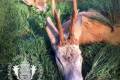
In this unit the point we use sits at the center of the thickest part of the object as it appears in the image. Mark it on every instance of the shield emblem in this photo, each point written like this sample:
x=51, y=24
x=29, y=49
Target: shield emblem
x=24, y=71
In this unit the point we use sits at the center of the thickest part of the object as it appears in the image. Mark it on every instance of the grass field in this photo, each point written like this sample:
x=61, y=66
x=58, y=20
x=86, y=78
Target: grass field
x=22, y=31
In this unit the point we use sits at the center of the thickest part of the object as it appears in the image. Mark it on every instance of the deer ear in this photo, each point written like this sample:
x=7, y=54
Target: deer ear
x=51, y=31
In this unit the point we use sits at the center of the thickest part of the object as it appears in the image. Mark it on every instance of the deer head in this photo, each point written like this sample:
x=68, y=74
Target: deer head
x=67, y=52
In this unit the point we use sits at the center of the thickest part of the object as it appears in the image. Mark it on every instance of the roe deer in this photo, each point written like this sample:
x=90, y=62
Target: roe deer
x=80, y=29
x=67, y=53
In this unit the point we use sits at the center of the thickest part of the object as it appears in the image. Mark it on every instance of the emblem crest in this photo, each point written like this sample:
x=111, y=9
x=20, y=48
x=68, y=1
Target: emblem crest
x=24, y=71
x=25, y=68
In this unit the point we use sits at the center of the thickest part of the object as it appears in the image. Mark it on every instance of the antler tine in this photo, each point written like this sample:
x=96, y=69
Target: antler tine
x=74, y=18
x=56, y=14
x=59, y=25
x=53, y=6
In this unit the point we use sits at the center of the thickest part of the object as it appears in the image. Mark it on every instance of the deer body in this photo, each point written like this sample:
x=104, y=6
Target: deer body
x=91, y=31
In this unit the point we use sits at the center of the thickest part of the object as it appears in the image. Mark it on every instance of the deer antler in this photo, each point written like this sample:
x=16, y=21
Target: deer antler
x=53, y=6
x=59, y=25
x=74, y=18
x=58, y=22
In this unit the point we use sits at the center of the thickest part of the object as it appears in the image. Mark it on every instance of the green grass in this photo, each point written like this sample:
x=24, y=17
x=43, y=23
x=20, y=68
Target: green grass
x=106, y=64
x=22, y=31
x=106, y=7
x=8, y=27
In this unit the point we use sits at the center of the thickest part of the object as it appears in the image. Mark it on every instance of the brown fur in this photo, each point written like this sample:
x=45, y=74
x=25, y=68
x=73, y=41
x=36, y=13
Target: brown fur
x=91, y=31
